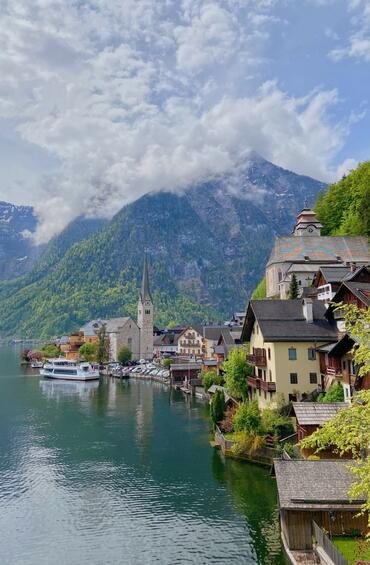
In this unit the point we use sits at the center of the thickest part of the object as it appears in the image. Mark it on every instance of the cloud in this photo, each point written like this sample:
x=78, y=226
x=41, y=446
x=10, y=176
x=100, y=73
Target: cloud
x=358, y=44
x=134, y=96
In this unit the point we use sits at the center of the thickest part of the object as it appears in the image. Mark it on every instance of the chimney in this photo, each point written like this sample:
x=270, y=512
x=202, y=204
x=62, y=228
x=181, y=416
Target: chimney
x=308, y=310
x=353, y=267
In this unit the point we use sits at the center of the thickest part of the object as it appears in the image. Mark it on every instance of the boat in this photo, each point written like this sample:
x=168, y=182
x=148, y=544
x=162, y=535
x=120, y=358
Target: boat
x=66, y=369
x=37, y=365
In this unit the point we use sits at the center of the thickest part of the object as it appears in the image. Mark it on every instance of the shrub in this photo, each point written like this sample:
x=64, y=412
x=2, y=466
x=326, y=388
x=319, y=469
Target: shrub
x=124, y=355
x=247, y=418
x=167, y=362
x=247, y=442
x=334, y=394
x=50, y=350
x=210, y=378
x=276, y=424
x=217, y=406
x=88, y=351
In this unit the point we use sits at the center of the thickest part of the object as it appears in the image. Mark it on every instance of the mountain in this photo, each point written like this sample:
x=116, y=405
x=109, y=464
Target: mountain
x=207, y=246
x=17, y=253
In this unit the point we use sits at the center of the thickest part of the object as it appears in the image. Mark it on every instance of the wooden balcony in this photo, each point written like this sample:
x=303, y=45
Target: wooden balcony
x=268, y=386
x=257, y=360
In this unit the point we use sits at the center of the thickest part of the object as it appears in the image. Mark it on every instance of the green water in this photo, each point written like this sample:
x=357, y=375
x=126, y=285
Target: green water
x=122, y=472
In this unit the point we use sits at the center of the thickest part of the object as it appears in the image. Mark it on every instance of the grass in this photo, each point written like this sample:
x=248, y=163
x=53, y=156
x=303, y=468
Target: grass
x=355, y=550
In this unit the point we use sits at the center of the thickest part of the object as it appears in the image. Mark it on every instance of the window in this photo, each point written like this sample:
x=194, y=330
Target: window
x=292, y=354
x=270, y=375
x=147, y=311
x=269, y=354
x=257, y=329
x=311, y=353
x=265, y=394
x=313, y=378
x=264, y=375
x=293, y=378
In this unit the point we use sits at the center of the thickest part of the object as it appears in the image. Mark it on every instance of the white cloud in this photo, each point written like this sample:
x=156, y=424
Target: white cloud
x=133, y=96
x=358, y=44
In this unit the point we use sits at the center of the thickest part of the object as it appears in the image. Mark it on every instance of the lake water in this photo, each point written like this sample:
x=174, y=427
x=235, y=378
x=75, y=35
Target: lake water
x=122, y=472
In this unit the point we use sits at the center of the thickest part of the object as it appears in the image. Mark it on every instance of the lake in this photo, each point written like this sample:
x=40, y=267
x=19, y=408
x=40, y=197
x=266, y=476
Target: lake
x=115, y=472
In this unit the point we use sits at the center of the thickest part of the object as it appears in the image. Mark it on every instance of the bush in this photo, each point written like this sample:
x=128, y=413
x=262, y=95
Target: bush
x=50, y=350
x=88, y=351
x=276, y=424
x=124, y=355
x=236, y=371
x=334, y=394
x=247, y=418
x=247, y=443
x=210, y=378
x=167, y=362
x=217, y=406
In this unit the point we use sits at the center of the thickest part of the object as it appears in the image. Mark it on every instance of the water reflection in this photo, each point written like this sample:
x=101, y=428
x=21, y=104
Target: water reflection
x=57, y=388
x=122, y=472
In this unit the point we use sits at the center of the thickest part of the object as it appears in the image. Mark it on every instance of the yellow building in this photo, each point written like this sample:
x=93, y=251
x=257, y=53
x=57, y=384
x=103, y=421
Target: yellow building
x=283, y=337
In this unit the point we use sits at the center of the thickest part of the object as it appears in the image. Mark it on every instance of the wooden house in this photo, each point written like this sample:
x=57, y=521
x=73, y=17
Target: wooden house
x=315, y=491
x=182, y=374
x=311, y=415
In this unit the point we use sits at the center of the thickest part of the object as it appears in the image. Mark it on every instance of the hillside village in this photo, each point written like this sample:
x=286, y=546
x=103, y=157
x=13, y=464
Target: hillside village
x=287, y=362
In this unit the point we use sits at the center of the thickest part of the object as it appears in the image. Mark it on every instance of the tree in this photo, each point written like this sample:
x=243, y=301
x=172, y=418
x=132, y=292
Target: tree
x=236, y=371
x=102, y=355
x=171, y=324
x=210, y=378
x=167, y=362
x=260, y=291
x=334, y=394
x=349, y=431
x=217, y=406
x=247, y=418
x=124, y=355
x=293, y=288
x=88, y=351
x=50, y=350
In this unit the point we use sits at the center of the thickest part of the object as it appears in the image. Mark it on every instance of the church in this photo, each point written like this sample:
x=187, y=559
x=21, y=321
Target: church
x=305, y=251
x=137, y=336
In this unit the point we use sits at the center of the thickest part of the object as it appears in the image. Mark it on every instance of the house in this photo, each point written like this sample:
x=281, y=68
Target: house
x=311, y=415
x=336, y=362
x=284, y=336
x=190, y=342
x=70, y=347
x=305, y=251
x=184, y=374
x=315, y=491
x=165, y=344
x=327, y=280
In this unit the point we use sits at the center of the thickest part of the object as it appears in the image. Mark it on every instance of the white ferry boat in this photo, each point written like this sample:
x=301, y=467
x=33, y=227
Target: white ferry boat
x=69, y=370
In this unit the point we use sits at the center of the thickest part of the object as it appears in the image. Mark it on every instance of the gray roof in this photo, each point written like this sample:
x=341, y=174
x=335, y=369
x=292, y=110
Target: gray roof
x=320, y=484
x=322, y=249
x=145, y=290
x=335, y=274
x=169, y=336
x=91, y=328
x=219, y=349
x=283, y=320
x=114, y=324
x=316, y=413
x=213, y=332
x=185, y=366
x=212, y=389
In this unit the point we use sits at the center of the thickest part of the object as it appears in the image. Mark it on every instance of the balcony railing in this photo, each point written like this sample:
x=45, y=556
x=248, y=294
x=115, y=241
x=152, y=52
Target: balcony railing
x=268, y=386
x=257, y=360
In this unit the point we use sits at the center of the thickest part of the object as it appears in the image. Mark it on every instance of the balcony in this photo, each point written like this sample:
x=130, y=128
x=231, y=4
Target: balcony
x=268, y=386
x=256, y=359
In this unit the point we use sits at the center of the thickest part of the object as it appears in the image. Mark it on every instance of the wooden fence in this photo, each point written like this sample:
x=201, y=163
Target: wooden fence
x=327, y=545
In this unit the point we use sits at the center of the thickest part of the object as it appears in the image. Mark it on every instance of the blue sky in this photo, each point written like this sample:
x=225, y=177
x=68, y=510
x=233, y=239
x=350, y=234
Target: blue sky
x=104, y=100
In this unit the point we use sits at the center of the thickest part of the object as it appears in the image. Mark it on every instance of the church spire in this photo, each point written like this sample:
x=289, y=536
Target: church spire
x=145, y=290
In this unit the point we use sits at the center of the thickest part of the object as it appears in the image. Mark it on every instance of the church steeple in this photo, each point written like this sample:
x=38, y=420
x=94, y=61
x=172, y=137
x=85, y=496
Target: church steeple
x=145, y=315
x=145, y=289
x=307, y=223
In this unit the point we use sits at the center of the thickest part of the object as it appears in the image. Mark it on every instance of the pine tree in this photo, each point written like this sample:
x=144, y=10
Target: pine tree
x=293, y=289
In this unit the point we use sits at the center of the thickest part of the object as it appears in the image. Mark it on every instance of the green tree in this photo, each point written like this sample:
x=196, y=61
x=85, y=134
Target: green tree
x=167, y=362
x=171, y=324
x=247, y=418
x=236, y=371
x=217, y=409
x=124, y=355
x=293, y=288
x=260, y=291
x=88, y=351
x=210, y=378
x=357, y=321
x=103, y=351
x=349, y=430
x=344, y=209
x=334, y=394
x=50, y=350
